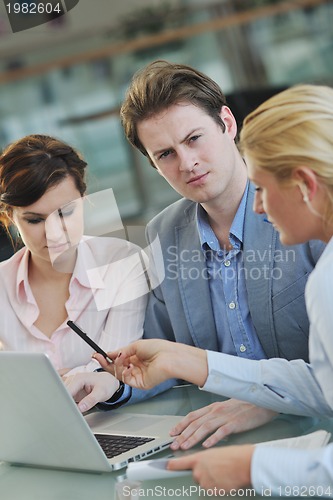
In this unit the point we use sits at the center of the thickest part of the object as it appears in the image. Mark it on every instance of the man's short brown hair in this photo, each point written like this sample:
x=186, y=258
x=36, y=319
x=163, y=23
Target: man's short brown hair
x=162, y=84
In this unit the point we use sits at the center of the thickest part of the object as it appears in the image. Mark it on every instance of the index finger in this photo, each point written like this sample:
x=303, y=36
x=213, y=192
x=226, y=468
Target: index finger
x=182, y=463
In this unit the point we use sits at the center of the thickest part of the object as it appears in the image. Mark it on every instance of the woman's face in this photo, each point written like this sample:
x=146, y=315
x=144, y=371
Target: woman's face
x=284, y=206
x=53, y=224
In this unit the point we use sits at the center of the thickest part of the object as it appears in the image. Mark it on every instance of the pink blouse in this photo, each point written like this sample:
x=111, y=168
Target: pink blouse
x=108, y=297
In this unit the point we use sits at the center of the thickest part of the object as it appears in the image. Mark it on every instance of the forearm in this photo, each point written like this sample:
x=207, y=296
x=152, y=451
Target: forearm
x=187, y=363
x=282, y=386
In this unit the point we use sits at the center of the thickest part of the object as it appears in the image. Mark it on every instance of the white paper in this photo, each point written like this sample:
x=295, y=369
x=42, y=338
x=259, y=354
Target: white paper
x=152, y=469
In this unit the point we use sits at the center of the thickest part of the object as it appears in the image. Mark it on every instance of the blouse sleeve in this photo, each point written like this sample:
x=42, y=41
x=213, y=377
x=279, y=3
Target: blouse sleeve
x=293, y=472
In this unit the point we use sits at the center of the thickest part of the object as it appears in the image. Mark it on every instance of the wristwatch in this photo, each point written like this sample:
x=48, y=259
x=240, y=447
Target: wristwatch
x=117, y=395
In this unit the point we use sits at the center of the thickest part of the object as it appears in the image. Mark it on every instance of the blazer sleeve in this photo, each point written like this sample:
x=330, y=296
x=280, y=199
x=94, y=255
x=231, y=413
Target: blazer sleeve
x=157, y=322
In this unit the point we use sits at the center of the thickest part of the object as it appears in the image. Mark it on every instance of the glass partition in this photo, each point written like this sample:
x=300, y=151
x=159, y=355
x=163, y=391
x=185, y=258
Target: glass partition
x=251, y=49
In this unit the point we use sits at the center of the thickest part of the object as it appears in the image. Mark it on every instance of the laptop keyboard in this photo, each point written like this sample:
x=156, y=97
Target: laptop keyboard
x=116, y=445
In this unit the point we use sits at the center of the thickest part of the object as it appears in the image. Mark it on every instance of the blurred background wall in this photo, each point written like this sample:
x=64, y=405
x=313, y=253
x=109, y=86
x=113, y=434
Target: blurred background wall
x=68, y=77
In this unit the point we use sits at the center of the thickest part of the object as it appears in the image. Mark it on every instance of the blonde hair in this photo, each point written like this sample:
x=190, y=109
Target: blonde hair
x=291, y=129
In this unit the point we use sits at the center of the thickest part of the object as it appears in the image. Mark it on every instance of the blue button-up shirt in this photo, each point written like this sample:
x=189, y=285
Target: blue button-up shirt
x=227, y=278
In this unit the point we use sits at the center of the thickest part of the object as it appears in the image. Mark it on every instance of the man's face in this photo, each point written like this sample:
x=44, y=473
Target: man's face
x=191, y=151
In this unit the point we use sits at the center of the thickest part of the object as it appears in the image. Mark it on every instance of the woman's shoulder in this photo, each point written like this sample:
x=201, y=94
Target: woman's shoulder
x=325, y=263
x=13, y=262
x=10, y=269
x=321, y=278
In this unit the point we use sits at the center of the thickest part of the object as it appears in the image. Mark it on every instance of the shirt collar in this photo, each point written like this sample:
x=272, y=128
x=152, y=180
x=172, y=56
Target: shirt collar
x=85, y=262
x=22, y=286
x=207, y=235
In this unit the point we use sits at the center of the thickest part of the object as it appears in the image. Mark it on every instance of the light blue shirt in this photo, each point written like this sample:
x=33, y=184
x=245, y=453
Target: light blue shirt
x=227, y=283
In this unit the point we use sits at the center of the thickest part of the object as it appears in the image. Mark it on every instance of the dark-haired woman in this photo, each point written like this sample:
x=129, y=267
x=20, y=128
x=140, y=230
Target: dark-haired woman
x=59, y=274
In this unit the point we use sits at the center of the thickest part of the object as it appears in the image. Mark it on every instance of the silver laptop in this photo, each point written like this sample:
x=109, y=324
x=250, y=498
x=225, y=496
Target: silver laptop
x=41, y=426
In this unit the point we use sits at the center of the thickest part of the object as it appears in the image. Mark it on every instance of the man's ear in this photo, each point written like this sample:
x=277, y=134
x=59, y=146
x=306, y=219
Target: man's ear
x=229, y=121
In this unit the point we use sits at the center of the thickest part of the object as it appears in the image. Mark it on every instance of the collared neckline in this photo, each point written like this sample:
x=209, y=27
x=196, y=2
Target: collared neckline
x=22, y=281
x=85, y=262
x=207, y=235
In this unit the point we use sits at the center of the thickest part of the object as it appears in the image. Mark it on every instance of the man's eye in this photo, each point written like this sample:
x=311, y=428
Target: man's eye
x=194, y=138
x=258, y=189
x=165, y=154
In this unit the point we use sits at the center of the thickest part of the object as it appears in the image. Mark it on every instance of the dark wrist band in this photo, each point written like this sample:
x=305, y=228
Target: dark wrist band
x=117, y=395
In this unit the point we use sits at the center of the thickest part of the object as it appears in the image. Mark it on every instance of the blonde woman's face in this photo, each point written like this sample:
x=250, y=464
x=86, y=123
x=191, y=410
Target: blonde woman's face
x=283, y=205
x=53, y=224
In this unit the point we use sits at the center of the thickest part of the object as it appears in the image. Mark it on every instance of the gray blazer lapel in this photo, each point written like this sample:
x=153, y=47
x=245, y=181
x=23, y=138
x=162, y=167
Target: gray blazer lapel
x=259, y=246
x=194, y=286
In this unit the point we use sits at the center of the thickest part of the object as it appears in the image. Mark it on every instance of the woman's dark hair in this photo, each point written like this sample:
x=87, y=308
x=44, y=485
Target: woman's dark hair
x=31, y=166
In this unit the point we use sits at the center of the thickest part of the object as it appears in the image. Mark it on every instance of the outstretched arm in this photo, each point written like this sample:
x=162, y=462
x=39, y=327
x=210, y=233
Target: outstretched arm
x=146, y=363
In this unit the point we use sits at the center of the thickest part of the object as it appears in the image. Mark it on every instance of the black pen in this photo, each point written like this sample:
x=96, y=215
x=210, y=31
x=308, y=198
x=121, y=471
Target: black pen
x=85, y=337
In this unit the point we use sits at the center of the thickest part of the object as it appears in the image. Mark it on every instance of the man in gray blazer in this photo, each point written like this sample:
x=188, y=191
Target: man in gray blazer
x=275, y=276
x=230, y=284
